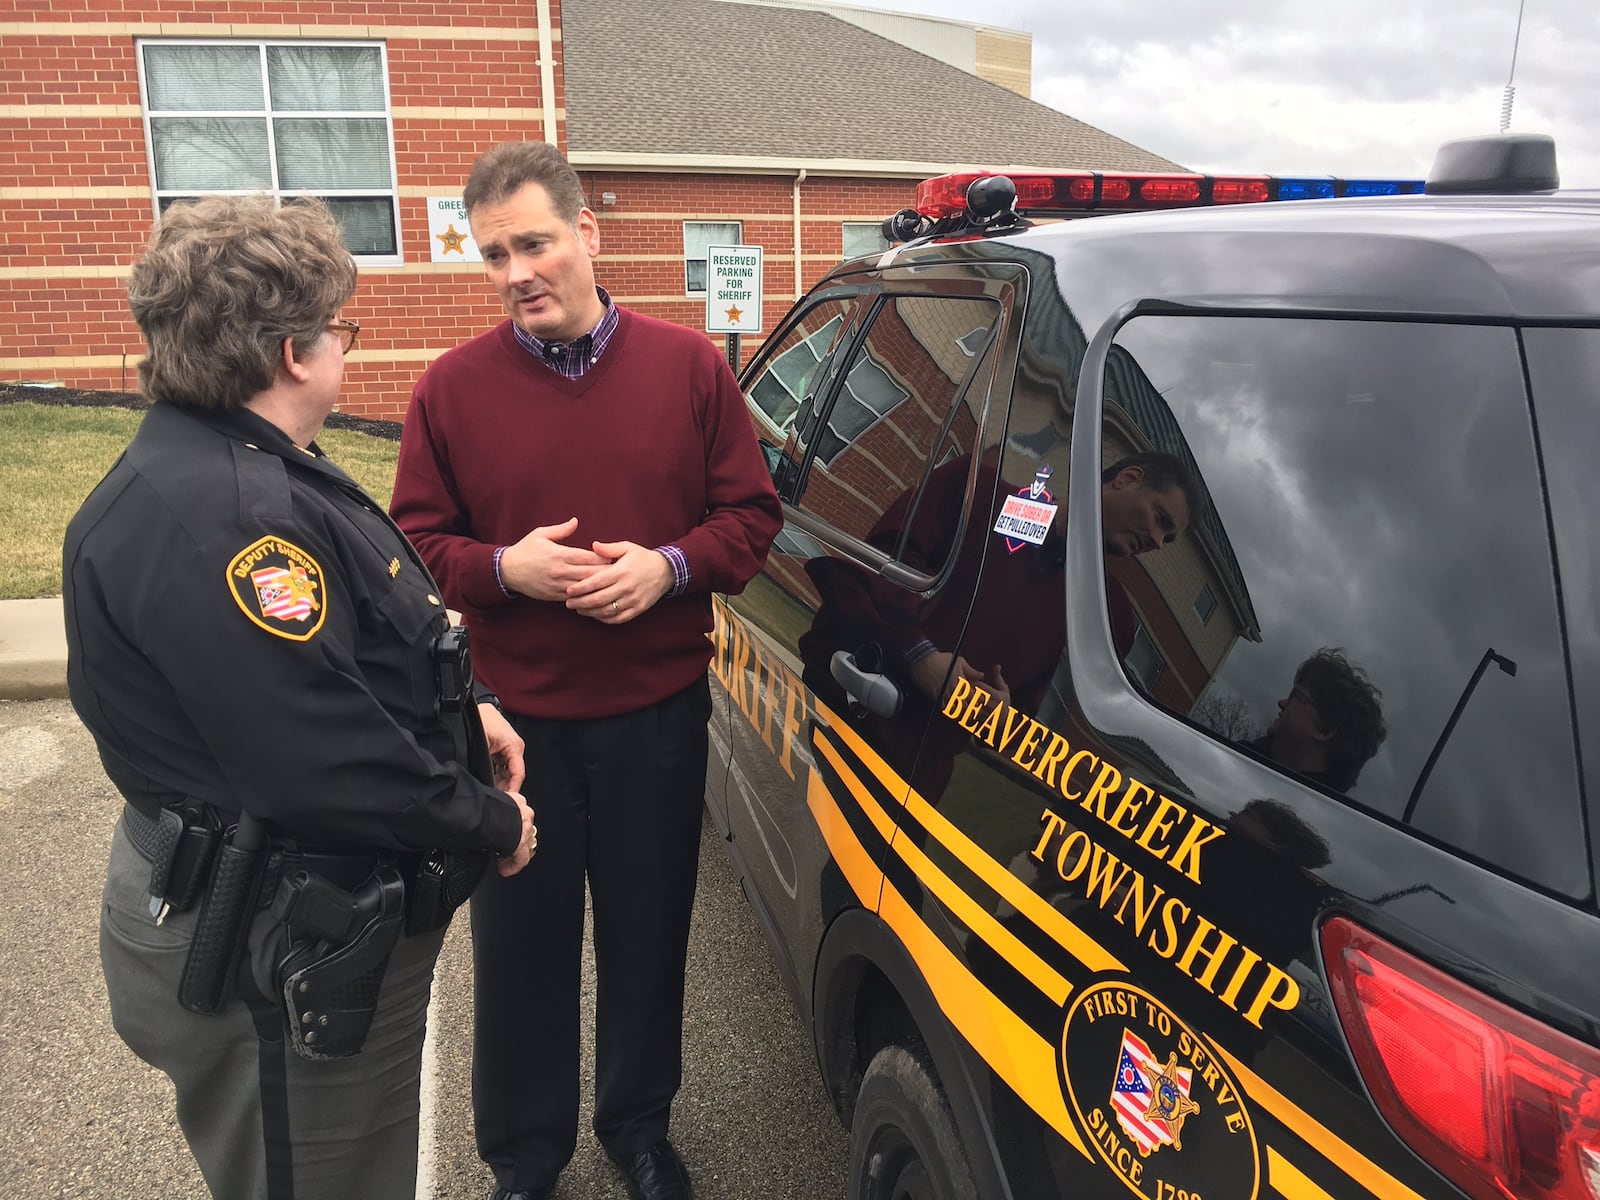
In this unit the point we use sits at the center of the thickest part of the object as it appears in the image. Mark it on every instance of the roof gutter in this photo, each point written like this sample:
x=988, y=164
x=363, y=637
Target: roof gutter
x=799, y=290
x=547, y=73
x=753, y=164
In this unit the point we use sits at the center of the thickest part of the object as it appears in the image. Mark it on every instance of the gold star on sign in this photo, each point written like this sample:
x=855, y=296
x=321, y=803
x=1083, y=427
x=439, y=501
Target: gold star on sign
x=1168, y=1104
x=734, y=314
x=453, y=240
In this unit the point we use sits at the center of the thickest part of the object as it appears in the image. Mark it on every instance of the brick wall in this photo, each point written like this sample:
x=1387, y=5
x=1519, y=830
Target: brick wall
x=75, y=187
x=76, y=201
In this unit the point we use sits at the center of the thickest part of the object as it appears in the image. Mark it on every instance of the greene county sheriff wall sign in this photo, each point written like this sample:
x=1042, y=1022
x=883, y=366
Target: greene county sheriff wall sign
x=1154, y=1100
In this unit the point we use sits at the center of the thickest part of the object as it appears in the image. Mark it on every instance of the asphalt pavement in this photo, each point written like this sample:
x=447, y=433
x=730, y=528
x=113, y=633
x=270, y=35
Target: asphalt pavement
x=85, y=1119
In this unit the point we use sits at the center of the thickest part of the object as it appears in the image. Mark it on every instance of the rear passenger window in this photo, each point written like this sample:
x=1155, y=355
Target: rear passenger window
x=902, y=403
x=1358, y=505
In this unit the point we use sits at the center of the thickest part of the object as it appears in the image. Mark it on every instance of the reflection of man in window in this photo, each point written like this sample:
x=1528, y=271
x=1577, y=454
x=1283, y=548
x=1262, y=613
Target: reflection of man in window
x=1018, y=625
x=1329, y=724
x=1011, y=641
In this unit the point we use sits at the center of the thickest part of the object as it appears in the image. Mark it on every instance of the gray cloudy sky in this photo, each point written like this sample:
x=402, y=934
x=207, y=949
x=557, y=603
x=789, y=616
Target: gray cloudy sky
x=1354, y=87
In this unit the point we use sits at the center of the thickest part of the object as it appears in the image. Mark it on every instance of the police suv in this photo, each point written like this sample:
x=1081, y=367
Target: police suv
x=1156, y=746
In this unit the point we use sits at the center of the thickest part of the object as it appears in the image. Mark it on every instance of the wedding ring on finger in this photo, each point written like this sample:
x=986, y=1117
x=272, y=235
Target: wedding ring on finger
x=614, y=607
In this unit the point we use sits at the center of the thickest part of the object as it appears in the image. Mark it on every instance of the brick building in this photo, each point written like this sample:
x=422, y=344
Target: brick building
x=698, y=123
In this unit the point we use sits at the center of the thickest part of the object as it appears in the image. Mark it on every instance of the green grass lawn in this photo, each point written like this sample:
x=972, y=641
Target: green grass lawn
x=51, y=456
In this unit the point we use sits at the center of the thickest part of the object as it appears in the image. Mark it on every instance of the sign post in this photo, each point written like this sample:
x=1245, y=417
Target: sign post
x=733, y=294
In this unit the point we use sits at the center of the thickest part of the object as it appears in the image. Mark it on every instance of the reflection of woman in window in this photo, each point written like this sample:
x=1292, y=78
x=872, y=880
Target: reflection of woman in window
x=1329, y=724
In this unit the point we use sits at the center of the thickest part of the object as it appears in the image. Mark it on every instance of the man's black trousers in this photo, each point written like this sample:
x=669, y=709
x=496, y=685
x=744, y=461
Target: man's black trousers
x=617, y=800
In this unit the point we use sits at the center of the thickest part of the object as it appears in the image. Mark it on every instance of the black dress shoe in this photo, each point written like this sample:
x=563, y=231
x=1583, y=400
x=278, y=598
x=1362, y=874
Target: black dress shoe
x=501, y=1193
x=655, y=1174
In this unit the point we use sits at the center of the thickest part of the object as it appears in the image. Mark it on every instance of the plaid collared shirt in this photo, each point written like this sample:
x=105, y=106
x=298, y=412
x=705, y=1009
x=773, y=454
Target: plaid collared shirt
x=572, y=359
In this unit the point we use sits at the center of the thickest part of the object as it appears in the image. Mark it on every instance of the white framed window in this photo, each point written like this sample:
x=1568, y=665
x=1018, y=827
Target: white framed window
x=697, y=235
x=862, y=237
x=787, y=379
x=1205, y=604
x=869, y=394
x=973, y=342
x=291, y=119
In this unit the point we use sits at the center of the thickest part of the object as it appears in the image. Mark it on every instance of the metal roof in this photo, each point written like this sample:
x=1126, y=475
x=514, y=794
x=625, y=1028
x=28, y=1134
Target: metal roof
x=698, y=77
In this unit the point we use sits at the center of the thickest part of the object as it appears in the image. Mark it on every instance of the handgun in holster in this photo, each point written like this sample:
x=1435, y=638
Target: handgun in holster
x=329, y=982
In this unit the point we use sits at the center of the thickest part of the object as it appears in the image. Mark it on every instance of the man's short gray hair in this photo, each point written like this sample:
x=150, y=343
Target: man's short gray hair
x=505, y=170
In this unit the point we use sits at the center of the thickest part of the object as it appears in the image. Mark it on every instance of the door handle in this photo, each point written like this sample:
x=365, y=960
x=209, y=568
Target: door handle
x=876, y=693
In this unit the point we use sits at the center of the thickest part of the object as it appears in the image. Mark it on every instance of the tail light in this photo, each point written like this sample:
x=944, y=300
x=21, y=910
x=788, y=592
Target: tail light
x=1497, y=1102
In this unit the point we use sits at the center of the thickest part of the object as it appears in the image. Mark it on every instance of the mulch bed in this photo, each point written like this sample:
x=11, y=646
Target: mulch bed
x=11, y=393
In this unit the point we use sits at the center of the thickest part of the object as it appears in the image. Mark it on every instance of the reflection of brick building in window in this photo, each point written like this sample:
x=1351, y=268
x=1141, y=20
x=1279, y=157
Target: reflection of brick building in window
x=925, y=348
x=876, y=442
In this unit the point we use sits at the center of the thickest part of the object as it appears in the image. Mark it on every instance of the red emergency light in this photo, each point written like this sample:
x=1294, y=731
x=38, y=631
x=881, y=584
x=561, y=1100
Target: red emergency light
x=1075, y=192
x=978, y=200
x=1037, y=191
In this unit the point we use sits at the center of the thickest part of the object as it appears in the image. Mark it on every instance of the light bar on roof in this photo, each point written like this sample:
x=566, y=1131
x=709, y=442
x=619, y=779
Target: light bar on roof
x=1073, y=193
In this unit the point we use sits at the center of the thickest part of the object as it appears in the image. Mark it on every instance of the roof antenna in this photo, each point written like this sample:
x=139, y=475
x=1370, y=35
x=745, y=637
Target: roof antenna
x=1511, y=88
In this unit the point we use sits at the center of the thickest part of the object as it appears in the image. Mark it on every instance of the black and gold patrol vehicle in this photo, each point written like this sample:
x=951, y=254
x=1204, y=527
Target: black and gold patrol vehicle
x=1156, y=747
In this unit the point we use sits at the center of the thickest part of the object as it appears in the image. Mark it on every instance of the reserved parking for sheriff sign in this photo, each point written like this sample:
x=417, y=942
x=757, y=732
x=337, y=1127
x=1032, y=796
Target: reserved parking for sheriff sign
x=733, y=289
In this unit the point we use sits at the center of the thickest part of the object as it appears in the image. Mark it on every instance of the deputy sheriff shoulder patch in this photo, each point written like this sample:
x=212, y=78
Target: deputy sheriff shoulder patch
x=280, y=588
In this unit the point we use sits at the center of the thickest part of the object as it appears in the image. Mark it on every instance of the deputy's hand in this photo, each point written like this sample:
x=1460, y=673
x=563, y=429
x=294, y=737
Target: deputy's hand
x=511, y=863
x=634, y=580
x=540, y=567
x=505, y=748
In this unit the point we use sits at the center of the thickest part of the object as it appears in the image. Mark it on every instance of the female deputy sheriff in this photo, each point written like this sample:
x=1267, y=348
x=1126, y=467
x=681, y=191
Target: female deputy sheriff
x=273, y=686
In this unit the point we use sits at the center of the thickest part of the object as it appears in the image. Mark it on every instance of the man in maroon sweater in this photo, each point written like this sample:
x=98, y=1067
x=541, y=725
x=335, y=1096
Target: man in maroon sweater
x=580, y=479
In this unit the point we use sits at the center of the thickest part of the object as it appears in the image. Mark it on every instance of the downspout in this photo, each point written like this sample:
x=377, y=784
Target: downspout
x=799, y=290
x=547, y=74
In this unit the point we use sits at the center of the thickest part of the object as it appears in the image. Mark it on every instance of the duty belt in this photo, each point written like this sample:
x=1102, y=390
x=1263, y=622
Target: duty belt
x=181, y=843
x=182, y=840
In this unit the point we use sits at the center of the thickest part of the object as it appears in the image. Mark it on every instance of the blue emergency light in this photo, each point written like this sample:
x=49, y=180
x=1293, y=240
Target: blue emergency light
x=1313, y=188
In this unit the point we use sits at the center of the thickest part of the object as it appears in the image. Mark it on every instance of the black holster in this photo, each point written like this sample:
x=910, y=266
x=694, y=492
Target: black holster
x=329, y=983
x=443, y=883
x=223, y=926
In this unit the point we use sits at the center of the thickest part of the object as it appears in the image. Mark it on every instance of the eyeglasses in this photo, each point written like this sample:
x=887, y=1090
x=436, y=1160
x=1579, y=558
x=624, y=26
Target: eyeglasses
x=347, y=331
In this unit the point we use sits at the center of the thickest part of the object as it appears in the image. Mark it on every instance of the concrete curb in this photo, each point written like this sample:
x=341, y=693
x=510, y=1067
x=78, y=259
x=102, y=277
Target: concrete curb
x=33, y=649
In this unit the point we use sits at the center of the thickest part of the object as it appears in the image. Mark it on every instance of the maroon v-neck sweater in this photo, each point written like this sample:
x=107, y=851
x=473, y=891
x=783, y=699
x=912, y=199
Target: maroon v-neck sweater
x=652, y=445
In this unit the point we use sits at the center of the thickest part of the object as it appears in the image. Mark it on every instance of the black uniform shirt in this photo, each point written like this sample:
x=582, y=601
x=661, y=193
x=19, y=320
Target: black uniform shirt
x=246, y=627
